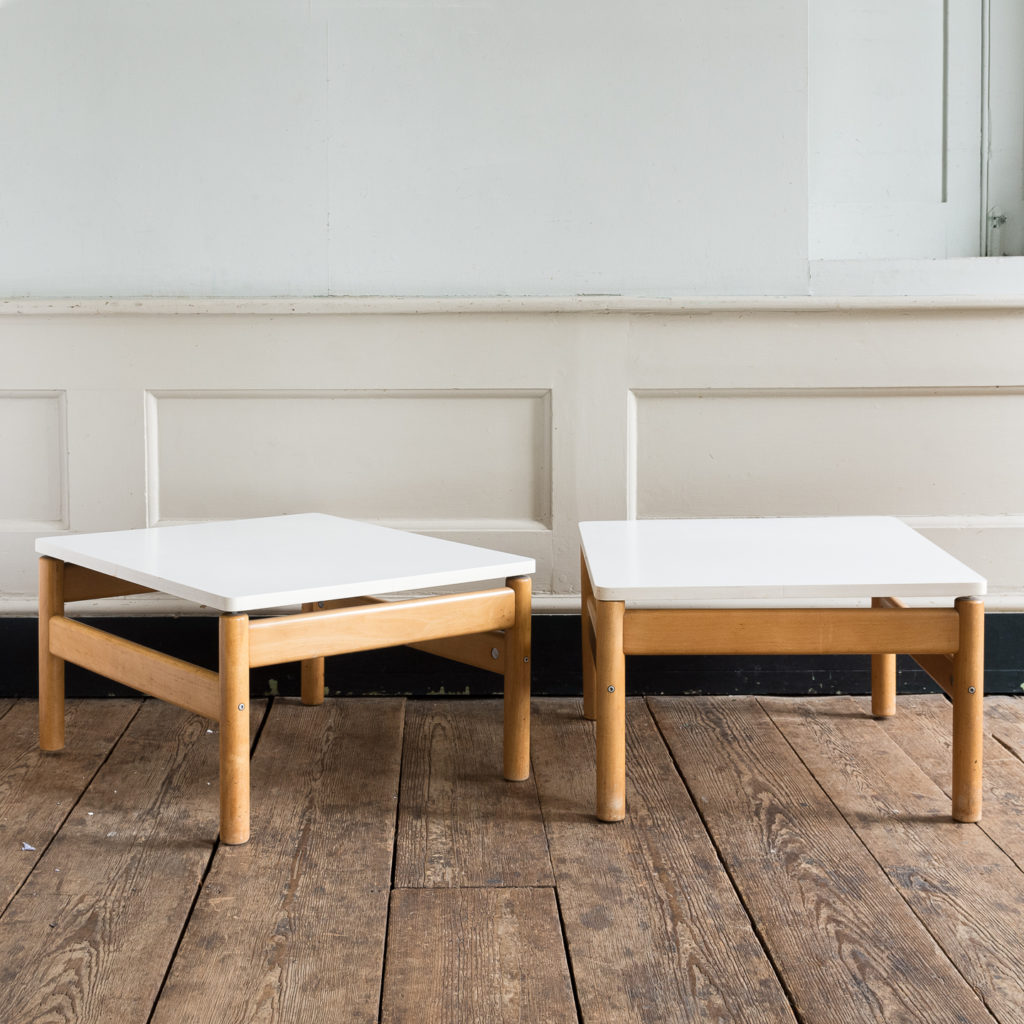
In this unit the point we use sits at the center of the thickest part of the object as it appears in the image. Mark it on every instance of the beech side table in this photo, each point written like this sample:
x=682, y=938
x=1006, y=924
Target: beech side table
x=679, y=586
x=330, y=567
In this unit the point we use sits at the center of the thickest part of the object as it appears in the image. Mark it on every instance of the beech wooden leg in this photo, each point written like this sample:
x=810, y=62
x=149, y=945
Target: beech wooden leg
x=589, y=669
x=883, y=679
x=968, y=714
x=234, y=729
x=51, y=669
x=517, y=683
x=611, y=712
x=312, y=673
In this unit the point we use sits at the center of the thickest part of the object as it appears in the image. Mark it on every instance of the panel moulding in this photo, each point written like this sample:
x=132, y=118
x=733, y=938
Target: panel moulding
x=37, y=477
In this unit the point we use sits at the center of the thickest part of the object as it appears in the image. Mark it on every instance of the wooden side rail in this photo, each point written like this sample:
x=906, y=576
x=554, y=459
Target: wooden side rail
x=938, y=666
x=372, y=626
x=81, y=584
x=790, y=631
x=177, y=682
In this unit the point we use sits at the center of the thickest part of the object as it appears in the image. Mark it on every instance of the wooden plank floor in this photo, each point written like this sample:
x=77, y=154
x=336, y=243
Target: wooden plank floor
x=784, y=860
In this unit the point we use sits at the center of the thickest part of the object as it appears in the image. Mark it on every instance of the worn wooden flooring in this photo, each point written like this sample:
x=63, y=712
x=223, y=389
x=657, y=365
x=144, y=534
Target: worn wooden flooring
x=783, y=860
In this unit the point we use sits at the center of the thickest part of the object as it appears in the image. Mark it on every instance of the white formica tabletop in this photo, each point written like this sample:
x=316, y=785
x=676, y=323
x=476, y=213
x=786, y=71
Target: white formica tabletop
x=677, y=560
x=248, y=564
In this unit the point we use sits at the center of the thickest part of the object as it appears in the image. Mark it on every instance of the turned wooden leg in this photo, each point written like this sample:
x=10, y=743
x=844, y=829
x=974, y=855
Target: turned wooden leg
x=611, y=712
x=312, y=673
x=234, y=729
x=968, y=718
x=883, y=679
x=589, y=668
x=517, y=683
x=51, y=669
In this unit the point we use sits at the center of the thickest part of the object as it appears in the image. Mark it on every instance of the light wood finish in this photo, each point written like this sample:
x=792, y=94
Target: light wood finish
x=883, y=678
x=478, y=935
x=388, y=624
x=234, y=729
x=481, y=650
x=588, y=642
x=968, y=711
x=656, y=931
x=312, y=673
x=290, y=928
x=178, y=682
x=51, y=667
x=81, y=584
x=460, y=824
x=844, y=939
x=611, y=712
x=789, y=630
x=516, y=758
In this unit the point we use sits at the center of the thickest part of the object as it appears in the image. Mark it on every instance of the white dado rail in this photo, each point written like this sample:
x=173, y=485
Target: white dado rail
x=505, y=421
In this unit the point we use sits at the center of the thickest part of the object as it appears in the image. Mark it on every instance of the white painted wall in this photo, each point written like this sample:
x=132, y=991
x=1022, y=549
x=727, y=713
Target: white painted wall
x=505, y=422
x=254, y=148
x=422, y=148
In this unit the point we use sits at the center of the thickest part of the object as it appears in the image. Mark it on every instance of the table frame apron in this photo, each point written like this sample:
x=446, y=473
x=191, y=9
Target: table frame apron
x=948, y=643
x=490, y=629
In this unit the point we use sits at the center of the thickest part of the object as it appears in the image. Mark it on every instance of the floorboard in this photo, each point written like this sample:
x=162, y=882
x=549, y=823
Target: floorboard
x=655, y=930
x=784, y=861
x=38, y=790
x=487, y=955
x=963, y=888
x=291, y=926
x=847, y=944
x=461, y=823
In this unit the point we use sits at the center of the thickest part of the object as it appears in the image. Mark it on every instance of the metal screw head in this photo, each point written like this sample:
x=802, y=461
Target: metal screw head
x=495, y=653
x=970, y=689
x=611, y=689
x=241, y=707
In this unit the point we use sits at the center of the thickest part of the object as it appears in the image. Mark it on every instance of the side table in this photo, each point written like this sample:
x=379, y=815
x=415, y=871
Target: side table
x=692, y=587
x=334, y=568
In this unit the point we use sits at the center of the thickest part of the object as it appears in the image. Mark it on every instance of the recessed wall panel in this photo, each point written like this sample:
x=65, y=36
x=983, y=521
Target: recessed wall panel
x=946, y=452
x=33, y=460
x=456, y=459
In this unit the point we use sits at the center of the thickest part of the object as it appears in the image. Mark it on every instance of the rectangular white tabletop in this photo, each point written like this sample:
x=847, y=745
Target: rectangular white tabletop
x=247, y=564
x=667, y=560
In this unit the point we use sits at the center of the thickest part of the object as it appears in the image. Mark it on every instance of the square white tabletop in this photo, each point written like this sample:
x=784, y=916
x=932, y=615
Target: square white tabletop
x=248, y=564
x=677, y=560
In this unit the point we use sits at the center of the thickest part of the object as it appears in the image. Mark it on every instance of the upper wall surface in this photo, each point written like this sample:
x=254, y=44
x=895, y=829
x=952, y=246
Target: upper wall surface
x=505, y=422
x=350, y=147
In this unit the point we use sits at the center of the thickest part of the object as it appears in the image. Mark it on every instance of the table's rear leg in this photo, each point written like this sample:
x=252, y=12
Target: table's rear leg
x=589, y=669
x=517, y=683
x=883, y=679
x=312, y=672
x=968, y=712
x=611, y=712
x=51, y=669
x=234, y=729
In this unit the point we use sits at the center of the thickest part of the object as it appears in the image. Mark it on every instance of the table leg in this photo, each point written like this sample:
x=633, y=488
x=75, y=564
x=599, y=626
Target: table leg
x=51, y=669
x=968, y=712
x=589, y=669
x=517, y=683
x=312, y=673
x=611, y=712
x=234, y=729
x=883, y=679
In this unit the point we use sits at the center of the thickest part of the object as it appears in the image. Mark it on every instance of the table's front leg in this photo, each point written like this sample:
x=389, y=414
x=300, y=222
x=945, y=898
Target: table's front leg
x=234, y=729
x=968, y=712
x=51, y=668
x=611, y=712
x=516, y=741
